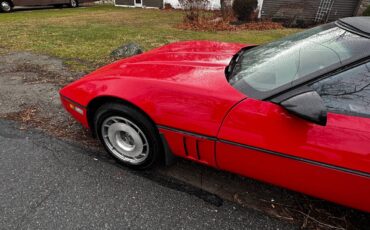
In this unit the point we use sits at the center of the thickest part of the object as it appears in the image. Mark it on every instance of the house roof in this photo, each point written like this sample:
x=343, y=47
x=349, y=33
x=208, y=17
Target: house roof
x=360, y=25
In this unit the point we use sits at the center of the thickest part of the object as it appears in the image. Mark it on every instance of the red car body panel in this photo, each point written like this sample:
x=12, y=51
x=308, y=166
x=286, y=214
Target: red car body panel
x=334, y=185
x=192, y=147
x=183, y=89
x=284, y=133
x=329, y=161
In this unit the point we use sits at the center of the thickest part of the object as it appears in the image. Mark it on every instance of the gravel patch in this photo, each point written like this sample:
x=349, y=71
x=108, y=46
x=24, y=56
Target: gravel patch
x=29, y=86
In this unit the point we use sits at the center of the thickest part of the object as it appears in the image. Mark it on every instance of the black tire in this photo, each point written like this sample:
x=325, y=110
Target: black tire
x=6, y=6
x=151, y=133
x=73, y=3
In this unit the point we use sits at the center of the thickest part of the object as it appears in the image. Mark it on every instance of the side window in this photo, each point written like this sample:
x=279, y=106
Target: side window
x=347, y=92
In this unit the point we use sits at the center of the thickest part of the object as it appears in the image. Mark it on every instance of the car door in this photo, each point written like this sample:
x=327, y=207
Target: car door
x=261, y=139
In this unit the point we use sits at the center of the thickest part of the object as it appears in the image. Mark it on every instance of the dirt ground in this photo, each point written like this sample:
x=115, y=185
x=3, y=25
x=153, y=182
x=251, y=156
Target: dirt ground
x=29, y=85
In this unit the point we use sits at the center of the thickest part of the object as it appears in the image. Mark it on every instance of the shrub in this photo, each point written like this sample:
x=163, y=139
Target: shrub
x=226, y=11
x=244, y=10
x=367, y=12
x=194, y=9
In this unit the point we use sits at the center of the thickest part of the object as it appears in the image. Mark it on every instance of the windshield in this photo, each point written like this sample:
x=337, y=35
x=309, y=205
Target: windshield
x=280, y=63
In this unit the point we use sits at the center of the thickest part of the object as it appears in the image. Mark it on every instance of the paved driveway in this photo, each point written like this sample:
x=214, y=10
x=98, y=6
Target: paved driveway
x=49, y=184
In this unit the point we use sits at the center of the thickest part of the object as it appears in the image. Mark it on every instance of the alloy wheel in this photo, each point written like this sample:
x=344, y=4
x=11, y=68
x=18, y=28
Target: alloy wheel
x=125, y=140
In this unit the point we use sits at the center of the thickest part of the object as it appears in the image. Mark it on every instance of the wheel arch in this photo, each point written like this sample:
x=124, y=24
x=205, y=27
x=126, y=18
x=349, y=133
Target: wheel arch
x=97, y=102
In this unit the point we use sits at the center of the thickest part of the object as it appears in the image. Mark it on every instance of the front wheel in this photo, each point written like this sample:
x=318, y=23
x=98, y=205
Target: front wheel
x=5, y=6
x=128, y=135
x=73, y=3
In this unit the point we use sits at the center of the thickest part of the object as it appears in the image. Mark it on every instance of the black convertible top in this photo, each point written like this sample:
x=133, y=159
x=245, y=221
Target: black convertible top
x=360, y=25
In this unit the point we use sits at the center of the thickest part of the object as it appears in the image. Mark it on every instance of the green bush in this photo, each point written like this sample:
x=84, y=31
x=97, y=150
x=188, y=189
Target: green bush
x=367, y=12
x=244, y=9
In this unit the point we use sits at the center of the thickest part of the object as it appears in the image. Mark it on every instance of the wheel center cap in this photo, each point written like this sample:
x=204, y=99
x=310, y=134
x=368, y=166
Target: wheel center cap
x=126, y=139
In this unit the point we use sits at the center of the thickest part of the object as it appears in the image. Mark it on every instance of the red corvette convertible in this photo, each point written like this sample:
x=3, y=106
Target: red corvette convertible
x=294, y=112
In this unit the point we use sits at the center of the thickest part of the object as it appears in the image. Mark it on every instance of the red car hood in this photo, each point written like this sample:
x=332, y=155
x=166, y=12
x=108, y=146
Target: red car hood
x=187, y=62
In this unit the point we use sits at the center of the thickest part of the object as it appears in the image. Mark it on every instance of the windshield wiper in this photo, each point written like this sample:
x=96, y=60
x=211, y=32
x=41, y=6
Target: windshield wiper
x=234, y=60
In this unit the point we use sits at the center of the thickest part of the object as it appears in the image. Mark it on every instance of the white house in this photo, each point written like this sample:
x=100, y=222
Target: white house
x=213, y=5
x=307, y=11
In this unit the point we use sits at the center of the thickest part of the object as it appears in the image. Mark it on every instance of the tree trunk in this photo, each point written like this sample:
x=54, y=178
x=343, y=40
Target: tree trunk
x=223, y=9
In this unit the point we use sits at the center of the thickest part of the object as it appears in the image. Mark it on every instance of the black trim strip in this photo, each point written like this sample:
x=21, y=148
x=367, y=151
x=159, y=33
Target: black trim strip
x=187, y=133
x=73, y=102
x=350, y=28
x=185, y=146
x=317, y=163
x=304, y=160
x=197, y=148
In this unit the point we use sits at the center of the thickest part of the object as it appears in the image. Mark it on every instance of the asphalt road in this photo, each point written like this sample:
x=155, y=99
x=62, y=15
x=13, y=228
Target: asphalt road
x=46, y=183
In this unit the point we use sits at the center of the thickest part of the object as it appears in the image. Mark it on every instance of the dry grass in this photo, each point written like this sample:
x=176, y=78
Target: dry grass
x=222, y=25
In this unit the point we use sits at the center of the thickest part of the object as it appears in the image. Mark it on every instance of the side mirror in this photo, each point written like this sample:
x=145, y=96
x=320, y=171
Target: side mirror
x=309, y=106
